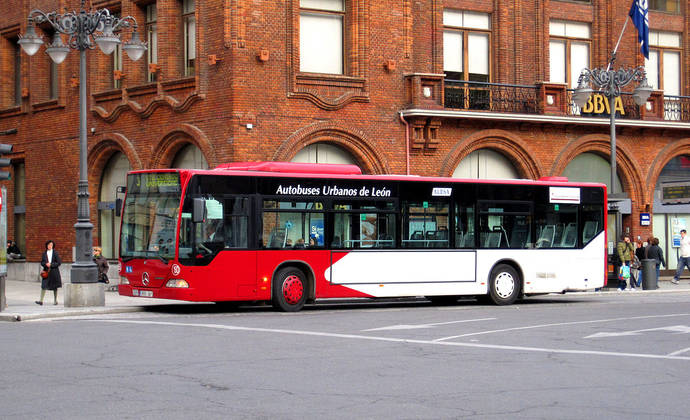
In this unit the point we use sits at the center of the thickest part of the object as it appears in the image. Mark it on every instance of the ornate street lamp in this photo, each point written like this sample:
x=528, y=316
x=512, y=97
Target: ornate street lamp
x=83, y=29
x=610, y=83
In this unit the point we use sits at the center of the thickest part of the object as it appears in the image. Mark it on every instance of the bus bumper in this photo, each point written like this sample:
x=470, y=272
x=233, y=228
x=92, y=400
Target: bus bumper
x=160, y=293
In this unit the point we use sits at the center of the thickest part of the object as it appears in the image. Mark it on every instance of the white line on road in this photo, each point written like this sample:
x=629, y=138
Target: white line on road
x=419, y=326
x=400, y=340
x=530, y=327
x=678, y=329
x=676, y=353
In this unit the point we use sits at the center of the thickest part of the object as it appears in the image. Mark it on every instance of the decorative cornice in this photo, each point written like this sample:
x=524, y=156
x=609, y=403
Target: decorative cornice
x=146, y=111
x=330, y=104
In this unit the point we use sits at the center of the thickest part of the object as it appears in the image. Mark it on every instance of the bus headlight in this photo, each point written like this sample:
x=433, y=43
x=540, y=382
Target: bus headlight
x=179, y=283
x=124, y=280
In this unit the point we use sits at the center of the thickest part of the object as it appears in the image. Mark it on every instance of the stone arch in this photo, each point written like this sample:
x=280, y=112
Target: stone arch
x=176, y=139
x=673, y=149
x=365, y=152
x=101, y=152
x=626, y=165
x=508, y=144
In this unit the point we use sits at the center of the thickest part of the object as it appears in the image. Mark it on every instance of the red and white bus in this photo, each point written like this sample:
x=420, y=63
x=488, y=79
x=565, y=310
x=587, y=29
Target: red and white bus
x=292, y=233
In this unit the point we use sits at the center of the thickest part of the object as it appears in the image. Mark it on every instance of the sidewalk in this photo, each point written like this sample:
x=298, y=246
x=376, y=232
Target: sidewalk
x=21, y=296
x=21, y=306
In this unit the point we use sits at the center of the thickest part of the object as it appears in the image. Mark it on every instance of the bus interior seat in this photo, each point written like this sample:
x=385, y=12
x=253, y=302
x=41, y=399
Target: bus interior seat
x=558, y=235
x=519, y=236
x=546, y=236
x=569, y=236
x=589, y=230
x=493, y=239
x=442, y=238
x=385, y=241
x=468, y=241
x=459, y=240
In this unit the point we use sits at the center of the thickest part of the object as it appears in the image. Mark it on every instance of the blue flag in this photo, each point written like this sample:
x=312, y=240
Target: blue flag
x=638, y=13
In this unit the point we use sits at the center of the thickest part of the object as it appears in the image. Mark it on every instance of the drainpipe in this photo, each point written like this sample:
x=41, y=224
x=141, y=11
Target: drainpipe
x=407, y=144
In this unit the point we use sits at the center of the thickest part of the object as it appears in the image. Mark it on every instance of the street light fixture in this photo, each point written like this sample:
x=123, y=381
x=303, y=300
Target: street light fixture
x=610, y=83
x=82, y=28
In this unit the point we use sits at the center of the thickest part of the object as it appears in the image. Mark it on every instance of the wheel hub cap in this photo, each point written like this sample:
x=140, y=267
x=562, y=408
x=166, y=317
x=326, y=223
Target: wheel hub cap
x=292, y=290
x=505, y=284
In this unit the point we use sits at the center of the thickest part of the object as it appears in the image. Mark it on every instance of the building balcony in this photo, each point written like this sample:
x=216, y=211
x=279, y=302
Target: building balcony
x=432, y=95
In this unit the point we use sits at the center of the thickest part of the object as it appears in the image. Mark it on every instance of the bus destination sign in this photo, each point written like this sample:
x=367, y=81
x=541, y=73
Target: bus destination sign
x=675, y=192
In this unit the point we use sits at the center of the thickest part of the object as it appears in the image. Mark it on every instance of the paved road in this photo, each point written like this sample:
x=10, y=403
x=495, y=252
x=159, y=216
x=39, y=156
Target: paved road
x=622, y=356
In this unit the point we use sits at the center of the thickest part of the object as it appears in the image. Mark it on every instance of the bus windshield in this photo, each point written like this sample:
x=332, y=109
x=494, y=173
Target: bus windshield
x=150, y=216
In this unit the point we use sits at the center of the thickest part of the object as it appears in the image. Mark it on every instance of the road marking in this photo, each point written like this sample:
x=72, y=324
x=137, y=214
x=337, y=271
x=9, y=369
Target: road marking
x=399, y=340
x=420, y=326
x=676, y=353
x=558, y=324
x=679, y=329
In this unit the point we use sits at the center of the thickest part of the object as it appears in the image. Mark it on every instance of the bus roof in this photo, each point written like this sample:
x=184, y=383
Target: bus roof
x=343, y=171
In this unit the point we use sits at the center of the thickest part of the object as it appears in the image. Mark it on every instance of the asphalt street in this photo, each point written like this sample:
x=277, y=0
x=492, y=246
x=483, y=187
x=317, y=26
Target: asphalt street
x=608, y=355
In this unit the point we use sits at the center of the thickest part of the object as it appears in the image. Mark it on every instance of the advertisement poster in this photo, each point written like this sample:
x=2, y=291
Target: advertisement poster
x=677, y=224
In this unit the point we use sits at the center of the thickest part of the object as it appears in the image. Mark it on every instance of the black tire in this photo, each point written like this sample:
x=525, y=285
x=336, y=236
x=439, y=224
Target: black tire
x=289, y=289
x=504, y=285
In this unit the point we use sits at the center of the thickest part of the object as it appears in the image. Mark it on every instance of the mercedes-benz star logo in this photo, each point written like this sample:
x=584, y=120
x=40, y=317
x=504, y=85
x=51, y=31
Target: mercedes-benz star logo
x=145, y=279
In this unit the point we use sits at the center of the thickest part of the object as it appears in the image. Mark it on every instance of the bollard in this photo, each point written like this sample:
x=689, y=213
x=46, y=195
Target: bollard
x=3, y=299
x=649, y=280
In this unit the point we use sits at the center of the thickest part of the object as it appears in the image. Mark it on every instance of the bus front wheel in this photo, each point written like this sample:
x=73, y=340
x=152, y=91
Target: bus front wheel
x=504, y=285
x=289, y=290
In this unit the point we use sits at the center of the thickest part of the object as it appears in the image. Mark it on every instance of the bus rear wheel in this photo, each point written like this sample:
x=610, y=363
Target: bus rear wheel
x=504, y=285
x=289, y=290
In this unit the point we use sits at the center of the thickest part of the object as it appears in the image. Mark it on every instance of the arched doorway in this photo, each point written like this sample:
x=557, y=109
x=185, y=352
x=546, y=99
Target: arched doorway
x=591, y=167
x=485, y=164
x=114, y=176
x=324, y=153
x=189, y=157
x=669, y=219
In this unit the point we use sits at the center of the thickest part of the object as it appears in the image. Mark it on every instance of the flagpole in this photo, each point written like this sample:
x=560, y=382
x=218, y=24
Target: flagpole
x=613, y=54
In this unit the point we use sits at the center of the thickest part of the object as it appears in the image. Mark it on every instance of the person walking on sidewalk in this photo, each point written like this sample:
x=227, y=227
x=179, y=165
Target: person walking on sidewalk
x=50, y=261
x=639, y=256
x=626, y=252
x=654, y=252
x=684, y=258
x=102, y=264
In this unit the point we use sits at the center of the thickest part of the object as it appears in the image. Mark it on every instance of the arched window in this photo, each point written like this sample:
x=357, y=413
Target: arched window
x=590, y=167
x=114, y=176
x=485, y=164
x=324, y=153
x=189, y=157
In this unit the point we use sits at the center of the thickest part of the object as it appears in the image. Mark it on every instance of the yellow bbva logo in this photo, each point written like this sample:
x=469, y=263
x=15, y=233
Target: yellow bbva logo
x=598, y=104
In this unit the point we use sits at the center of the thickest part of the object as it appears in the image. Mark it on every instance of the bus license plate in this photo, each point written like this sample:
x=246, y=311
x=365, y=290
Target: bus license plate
x=142, y=293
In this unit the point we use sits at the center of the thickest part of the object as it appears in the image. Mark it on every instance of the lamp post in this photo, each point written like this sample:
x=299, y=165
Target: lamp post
x=83, y=28
x=610, y=83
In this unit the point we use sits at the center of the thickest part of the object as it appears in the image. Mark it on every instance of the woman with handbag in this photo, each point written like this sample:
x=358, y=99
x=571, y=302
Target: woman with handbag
x=50, y=261
x=102, y=264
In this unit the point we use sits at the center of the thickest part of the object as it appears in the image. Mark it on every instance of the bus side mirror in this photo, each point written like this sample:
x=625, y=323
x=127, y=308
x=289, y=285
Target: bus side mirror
x=199, y=210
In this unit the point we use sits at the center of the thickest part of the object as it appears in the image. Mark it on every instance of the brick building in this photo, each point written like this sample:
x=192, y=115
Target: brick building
x=444, y=88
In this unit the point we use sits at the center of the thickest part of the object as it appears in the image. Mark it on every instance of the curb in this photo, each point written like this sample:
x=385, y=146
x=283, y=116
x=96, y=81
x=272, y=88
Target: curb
x=16, y=317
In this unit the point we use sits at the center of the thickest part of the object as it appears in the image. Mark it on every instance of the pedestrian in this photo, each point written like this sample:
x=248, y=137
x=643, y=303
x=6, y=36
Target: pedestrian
x=13, y=251
x=50, y=261
x=625, y=253
x=102, y=264
x=637, y=261
x=654, y=252
x=684, y=258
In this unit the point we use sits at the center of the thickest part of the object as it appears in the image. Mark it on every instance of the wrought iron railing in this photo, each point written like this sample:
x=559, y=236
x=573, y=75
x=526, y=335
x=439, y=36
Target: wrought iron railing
x=496, y=97
x=677, y=108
